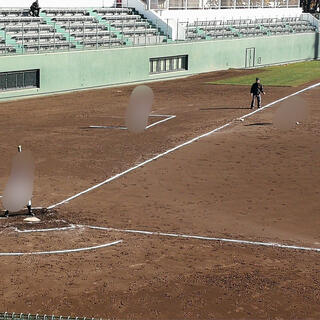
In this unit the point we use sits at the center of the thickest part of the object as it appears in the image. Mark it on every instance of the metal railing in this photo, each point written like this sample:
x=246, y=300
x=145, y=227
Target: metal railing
x=21, y=316
x=221, y=4
x=220, y=29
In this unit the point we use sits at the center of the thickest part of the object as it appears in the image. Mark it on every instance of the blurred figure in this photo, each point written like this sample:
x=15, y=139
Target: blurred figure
x=256, y=90
x=19, y=188
x=139, y=109
x=290, y=113
x=34, y=9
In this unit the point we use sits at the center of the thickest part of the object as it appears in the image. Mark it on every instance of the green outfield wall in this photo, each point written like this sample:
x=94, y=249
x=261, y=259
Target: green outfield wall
x=76, y=70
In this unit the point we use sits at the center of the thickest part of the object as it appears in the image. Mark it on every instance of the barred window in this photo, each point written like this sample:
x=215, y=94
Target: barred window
x=168, y=64
x=17, y=80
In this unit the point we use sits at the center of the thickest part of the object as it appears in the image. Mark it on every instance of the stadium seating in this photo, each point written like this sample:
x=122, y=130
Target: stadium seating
x=74, y=28
x=216, y=29
x=83, y=28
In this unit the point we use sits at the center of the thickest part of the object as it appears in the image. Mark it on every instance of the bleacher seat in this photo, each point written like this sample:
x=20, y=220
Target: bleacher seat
x=75, y=28
x=246, y=28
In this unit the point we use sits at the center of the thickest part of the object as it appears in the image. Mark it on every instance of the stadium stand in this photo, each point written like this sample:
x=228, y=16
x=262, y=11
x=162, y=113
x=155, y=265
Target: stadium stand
x=66, y=29
x=218, y=29
x=82, y=28
x=25, y=33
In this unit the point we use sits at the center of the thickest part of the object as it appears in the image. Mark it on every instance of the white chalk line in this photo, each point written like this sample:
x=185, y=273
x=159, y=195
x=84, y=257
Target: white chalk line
x=174, y=235
x=167, y=118
x=186, y=236
x=108, y=127
x=2, y=254
x=178, y=147
x=160, y=121
x=71, y=227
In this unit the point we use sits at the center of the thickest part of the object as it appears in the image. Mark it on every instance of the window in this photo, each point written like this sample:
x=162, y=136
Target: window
x=168, y=64
x=17, y=80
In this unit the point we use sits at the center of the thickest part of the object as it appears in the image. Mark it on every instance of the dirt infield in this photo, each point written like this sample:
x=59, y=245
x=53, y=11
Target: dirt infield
x=249, y=181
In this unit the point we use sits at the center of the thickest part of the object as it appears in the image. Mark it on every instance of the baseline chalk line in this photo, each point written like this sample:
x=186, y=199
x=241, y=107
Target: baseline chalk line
x=186, y=236
x=3, y=254
x=173, y=235
x=178, y=147
x=167, y=118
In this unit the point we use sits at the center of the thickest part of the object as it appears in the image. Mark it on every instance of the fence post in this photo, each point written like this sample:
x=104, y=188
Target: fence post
x=177, y=35
x=134, y=33
x=96, y=34
x=38, y=37
x=122, y=34
x=83, y=35
x=54, y=37
x=158, y=33
x=206, y=29
x=145, y=34
x=187, y=33
x=69, y=26
x=22, y=37
x=5, y=40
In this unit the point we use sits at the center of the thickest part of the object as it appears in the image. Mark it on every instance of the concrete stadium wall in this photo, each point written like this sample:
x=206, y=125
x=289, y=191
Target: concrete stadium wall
x=61, y=72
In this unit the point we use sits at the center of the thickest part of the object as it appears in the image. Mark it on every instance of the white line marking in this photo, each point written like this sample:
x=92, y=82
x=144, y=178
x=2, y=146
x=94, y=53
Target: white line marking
x=161, y=115
x=186, y=236
x=174, y=235
x=167, y=118
x=59, y=251
x=47, y=230
x=177, y=147
x=108, y=127
x=160, y=121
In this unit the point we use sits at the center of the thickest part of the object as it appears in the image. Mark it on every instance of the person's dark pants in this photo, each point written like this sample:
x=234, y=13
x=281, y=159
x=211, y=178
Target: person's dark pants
x=34, y=12
x=258, y=98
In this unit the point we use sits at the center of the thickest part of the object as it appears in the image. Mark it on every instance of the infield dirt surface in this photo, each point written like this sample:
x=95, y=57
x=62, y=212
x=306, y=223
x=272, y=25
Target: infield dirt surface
x=249, y=181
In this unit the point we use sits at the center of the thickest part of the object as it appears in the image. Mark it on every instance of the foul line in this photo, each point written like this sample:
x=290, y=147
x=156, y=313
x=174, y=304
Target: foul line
x=168, y=117
x=186, y=236
x=172, y=235
x=2, y=254
x=177, y=147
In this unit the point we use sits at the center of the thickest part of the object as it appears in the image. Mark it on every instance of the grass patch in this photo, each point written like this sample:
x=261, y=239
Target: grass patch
x=291, y=75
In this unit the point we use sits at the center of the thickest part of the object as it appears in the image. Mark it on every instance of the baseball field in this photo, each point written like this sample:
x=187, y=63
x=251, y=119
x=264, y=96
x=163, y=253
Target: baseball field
x=201, y=216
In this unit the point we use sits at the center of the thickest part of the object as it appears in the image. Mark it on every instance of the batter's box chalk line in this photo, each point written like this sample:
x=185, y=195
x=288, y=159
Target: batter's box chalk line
x=178, y=147
x=181, y=236
x=166, y=116
x=2, y=254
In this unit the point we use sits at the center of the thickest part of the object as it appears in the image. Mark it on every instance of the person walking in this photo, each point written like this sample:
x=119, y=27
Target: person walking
x=256, y=90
